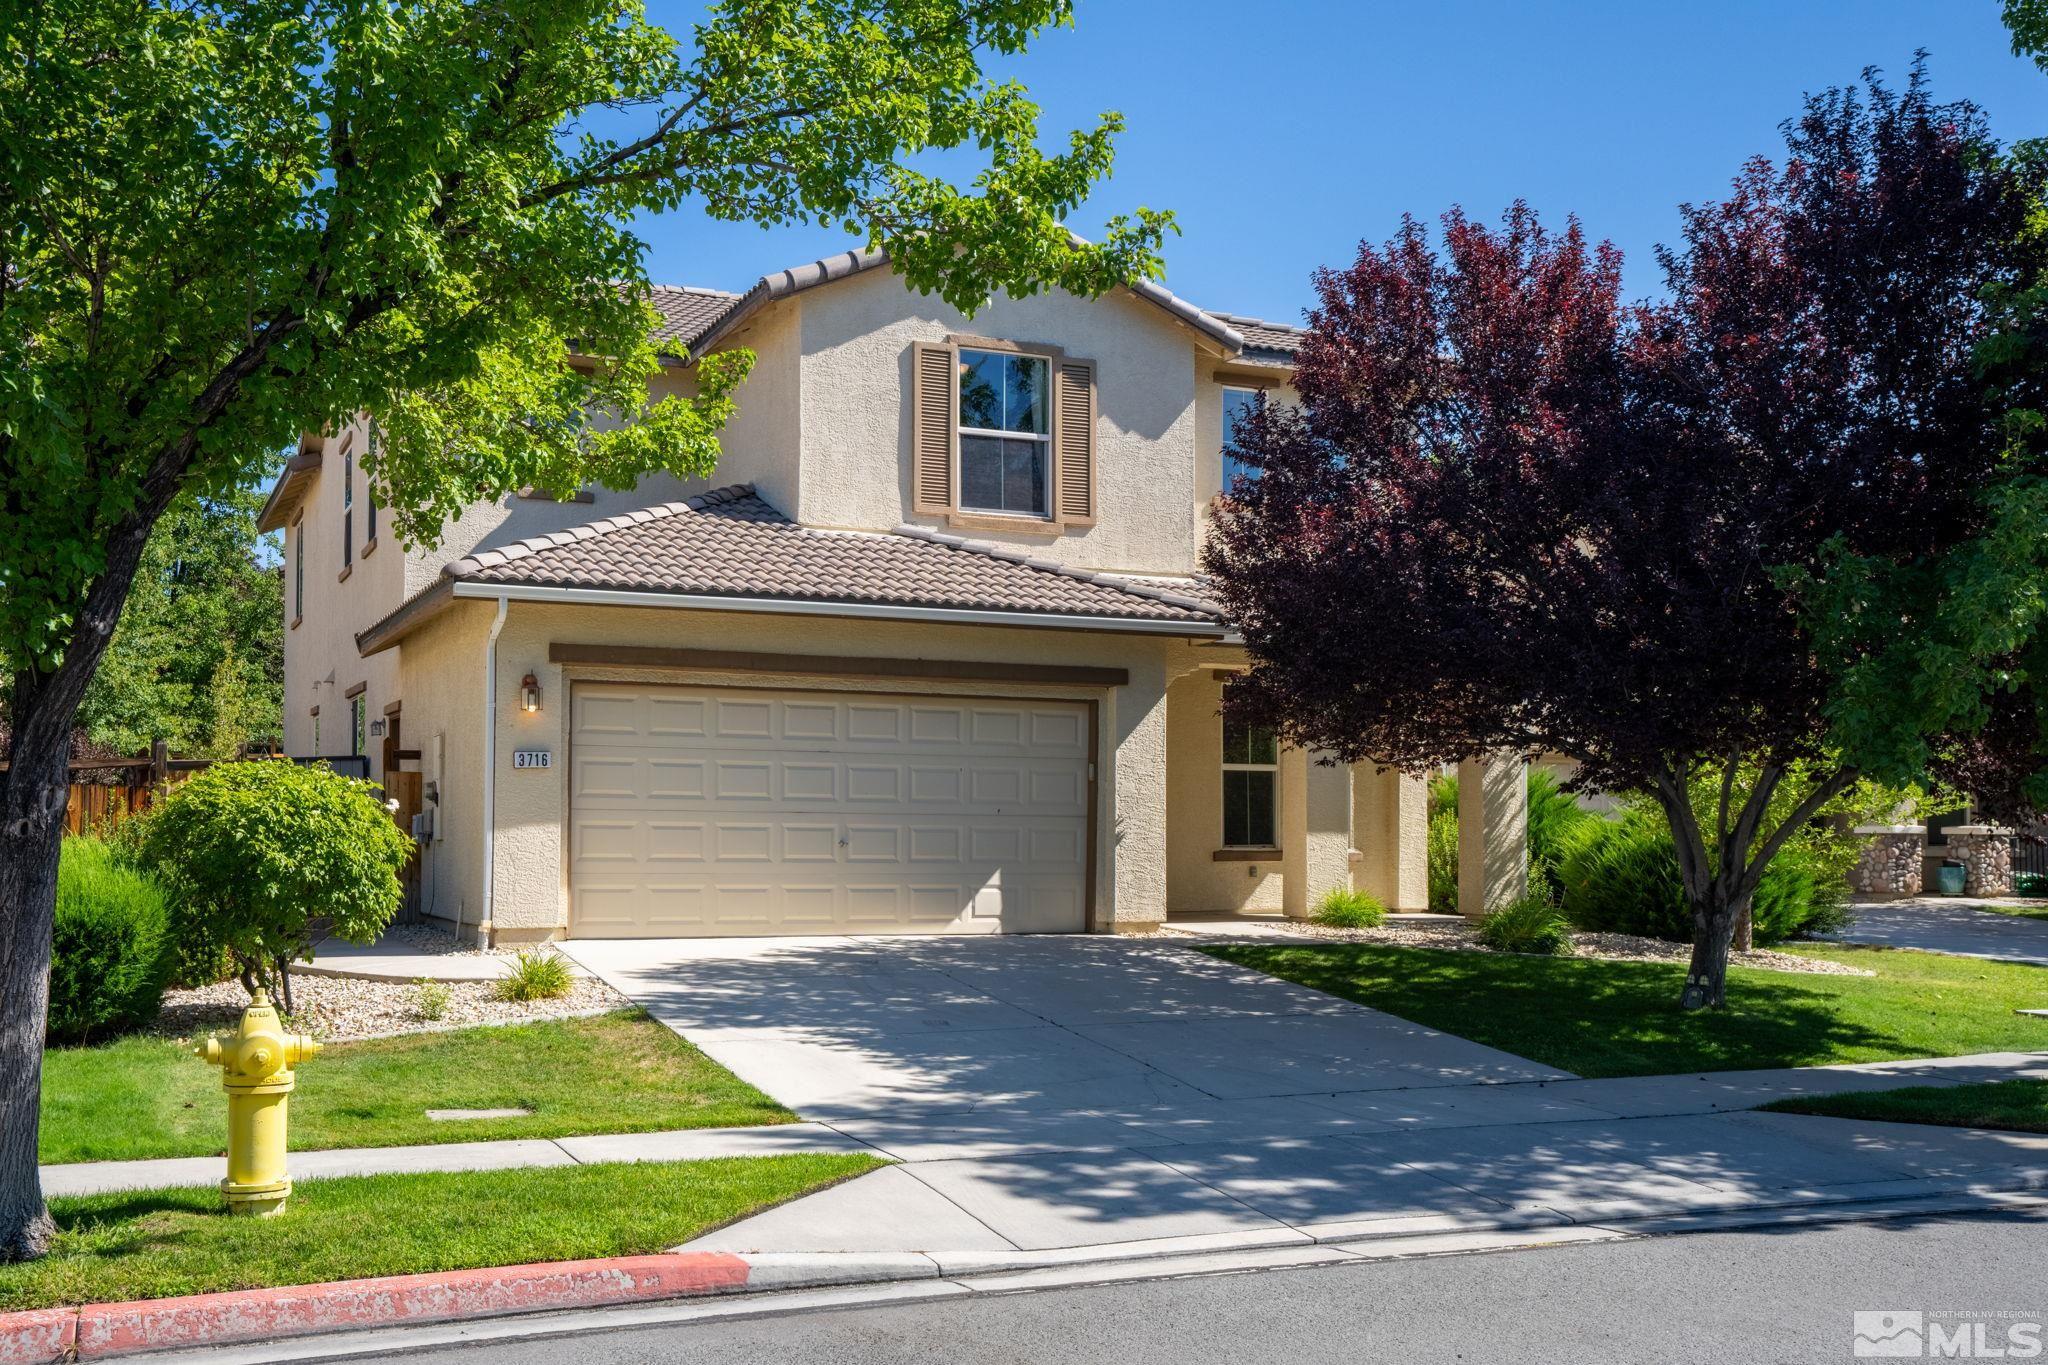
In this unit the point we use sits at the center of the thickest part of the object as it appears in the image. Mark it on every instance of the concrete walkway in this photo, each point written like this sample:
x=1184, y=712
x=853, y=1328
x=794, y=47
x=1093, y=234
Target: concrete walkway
x=394, y=959
x=1943, y=924
x=686, y=1144
x=1068, y=1093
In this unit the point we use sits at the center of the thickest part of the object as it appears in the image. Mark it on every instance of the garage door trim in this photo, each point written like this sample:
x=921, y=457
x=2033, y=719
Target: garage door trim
x=1092, y=779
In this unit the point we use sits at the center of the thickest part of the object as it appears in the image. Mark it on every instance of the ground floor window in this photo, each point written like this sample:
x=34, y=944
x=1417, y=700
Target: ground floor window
x=358, y=723
x=1251, y=776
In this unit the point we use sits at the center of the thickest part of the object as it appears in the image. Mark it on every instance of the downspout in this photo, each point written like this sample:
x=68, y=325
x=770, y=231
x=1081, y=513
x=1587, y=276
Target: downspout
x=484, y=924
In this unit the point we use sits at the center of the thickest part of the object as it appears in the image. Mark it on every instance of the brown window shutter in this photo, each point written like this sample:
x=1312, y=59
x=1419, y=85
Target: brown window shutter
x=934, y=425
x=1074, y=441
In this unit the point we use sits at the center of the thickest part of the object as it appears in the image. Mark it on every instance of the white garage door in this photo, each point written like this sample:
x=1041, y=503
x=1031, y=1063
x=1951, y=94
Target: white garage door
x=721, y=811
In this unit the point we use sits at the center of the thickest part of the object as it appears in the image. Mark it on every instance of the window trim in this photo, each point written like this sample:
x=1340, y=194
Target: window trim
x=1226, y=767
x=1046, y=357
x=1225, y=388
x=1017, y=523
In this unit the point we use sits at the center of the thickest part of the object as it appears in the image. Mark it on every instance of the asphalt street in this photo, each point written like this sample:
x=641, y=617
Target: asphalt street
x=1767, y=1296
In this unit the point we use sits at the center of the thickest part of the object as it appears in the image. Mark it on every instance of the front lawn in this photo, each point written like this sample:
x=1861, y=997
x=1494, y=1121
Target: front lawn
x=2017, y=1106
x=158, y=1243
x=615, y=1073
x=2031, y=910
x=1600, y=1018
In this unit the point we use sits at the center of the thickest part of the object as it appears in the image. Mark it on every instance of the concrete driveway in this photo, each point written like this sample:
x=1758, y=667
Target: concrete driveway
x=1065, y=1092
x=1943, y=925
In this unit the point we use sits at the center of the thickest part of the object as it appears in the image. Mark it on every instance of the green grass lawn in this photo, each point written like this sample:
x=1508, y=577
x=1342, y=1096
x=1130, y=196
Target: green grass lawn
x=2035, y=911
x=615, y=1073
x=2017, y=1106
x=159, y=1243
x=1621, y=1018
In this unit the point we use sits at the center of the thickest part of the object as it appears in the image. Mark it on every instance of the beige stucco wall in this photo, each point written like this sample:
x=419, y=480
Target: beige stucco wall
x=320, y=658
x=856, y=391
x=444, y=662
x=441, y=674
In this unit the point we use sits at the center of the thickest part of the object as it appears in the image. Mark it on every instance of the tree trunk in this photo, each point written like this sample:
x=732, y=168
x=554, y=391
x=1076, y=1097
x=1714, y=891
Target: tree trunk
x=1714, y=926
x=32, y=797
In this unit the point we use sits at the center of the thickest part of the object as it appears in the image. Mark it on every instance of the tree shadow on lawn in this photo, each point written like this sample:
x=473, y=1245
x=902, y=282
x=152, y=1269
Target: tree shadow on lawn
x=1595, y=1018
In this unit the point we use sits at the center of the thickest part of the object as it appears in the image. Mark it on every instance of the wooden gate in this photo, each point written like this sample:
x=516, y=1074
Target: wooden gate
x=405, y=789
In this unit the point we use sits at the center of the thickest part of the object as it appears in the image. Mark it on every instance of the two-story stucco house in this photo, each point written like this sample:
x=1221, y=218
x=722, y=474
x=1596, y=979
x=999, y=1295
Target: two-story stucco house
x=928, y=655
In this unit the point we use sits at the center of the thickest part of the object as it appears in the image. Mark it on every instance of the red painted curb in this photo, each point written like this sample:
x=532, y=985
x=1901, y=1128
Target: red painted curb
x=115, y=1329
x=38, y=1336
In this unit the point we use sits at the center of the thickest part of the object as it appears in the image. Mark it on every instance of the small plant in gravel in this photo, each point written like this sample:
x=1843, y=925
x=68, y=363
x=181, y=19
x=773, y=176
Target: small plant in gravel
x=536, y=976
x=1341, y=908
x=1530, y=924
x=429, y=999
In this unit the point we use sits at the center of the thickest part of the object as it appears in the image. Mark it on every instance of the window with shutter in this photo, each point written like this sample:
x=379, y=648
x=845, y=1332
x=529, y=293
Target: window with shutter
x=935, y=426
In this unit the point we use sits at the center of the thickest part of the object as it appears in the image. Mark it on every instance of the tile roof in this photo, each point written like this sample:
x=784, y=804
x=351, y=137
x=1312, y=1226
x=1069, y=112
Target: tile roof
x=686, y=311
x=732, y=543
x=1276, y=338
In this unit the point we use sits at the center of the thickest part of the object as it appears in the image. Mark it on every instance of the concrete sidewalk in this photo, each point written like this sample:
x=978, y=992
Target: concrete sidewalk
x=684, y=1144
x=1052, y=1096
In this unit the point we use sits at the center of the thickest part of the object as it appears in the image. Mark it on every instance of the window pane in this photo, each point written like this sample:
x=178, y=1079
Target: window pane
x=1236, y=403
x=1236, y=743
x=1247, y=810
x=1236, y=809
x=1259, y=812
x=981, y=472
x=981, y=390
x=1025, y=404
x=1024, y=477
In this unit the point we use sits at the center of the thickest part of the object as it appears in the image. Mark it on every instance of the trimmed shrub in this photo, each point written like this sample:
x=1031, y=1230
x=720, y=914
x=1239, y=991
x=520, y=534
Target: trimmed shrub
x=252, y=853
x=109, y=952
x=536, y=976
x=429, y=999
x=1343, y=909
x=1623, y=878
x=1528, y=925
x=1443, y=845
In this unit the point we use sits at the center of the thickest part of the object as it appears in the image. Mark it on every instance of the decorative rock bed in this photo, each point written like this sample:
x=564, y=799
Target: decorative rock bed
x=336, y=1009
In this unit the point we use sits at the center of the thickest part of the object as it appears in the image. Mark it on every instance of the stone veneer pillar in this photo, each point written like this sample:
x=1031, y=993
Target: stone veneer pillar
x=1985, y=851
x=1891, y=864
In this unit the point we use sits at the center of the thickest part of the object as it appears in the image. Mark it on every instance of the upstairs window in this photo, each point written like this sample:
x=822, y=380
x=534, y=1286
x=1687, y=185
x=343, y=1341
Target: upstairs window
x=370, y=492
x=1251, y=777
x=1005, y=434
x=358, y=724
x=1237, y=405
x=299, y=571
x=348, y=507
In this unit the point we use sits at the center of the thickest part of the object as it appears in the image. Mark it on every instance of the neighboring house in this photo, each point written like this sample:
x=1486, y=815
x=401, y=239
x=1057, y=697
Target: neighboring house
x=929, y=654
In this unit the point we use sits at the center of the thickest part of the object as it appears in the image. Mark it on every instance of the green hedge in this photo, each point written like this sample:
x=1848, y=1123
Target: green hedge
x=1555, y=817
x=110, y=950
x=1622, y=877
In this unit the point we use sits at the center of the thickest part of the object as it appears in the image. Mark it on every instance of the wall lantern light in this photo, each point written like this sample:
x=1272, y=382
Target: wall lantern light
x=529, y=694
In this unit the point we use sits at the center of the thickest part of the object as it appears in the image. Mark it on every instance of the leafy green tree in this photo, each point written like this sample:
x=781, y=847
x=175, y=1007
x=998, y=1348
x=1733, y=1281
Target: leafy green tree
x=204, y=622
x=252, y=852
x=226, y=222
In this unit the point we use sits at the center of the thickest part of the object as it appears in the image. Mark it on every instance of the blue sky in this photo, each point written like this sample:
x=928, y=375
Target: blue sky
x=1282, y=132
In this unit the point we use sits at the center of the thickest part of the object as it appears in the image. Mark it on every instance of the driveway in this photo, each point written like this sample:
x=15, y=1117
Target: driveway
x=1943, y=925
x=1055, y=1092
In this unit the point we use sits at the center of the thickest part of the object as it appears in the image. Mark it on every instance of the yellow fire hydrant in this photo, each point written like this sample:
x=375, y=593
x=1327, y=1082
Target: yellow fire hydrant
x=256, y=1070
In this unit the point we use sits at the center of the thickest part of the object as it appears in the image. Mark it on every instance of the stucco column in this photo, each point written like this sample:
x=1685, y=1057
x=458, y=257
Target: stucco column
x=1390, y=831
x=1315, y=830
x=1132, y=897
x=1493, y=832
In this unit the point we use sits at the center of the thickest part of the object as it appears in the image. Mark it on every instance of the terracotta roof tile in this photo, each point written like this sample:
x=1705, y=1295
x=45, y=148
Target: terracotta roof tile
x=732, y=543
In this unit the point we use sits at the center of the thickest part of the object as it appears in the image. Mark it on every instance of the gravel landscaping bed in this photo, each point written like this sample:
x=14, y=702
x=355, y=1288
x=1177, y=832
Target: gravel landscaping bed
x=336, y=1008
x=1609, y=947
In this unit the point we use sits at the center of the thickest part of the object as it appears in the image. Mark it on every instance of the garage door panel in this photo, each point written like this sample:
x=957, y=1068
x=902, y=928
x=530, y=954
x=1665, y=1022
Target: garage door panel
x=793, y=813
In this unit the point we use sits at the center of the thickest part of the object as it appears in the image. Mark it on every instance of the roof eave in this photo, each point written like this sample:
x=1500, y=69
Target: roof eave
x=296, y=474
x=795, y=606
